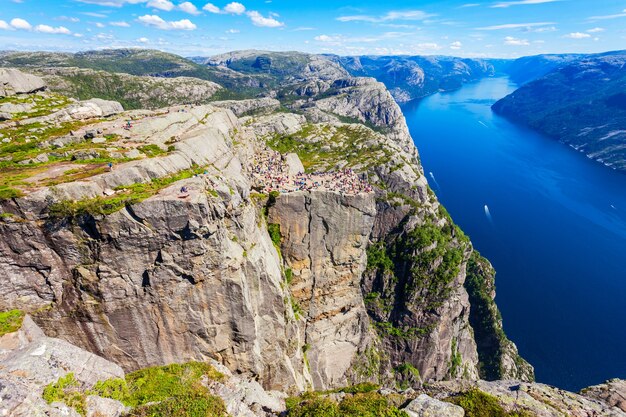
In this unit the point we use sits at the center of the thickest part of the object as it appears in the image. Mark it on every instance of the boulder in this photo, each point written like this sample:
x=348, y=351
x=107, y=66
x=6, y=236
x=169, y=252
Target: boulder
x=29, y=361
x=94, y=108
x=99, y=407
x=294, y=165
x=425, y=406
x=13, y=81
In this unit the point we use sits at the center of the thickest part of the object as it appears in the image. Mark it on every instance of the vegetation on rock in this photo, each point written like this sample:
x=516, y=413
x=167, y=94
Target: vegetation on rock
x=360, y=404
x=176, y=390
x=10, y=321
x=477, y=403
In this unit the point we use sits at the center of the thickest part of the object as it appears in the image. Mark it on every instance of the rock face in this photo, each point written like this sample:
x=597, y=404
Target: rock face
x=324, y=237
x=166, y=272
x=612, y=392
x=425, y=406
x=29, y=361
x=13, y=81
x=581, y=104
x=243, y=107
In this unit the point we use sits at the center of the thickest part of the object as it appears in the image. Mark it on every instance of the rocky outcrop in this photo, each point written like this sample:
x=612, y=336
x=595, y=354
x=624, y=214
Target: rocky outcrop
x=535, y=399
x=245, y=107
x=425, y=406
x=324, y=236
x=29, y=361
x=612, y=392
x=133, y=91
x=13, y=81
x=163, y=282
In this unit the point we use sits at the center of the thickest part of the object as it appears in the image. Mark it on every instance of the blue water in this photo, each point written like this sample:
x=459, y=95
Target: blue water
x=555, y=230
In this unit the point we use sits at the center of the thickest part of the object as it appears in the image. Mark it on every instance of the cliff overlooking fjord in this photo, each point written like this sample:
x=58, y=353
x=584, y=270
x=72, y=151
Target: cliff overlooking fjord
x=179, y=253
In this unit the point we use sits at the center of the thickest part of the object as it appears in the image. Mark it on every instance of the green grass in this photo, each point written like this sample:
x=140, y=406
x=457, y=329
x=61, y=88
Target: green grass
x=367, y=404
x=152, y=150
x=133, y=194
x=67, y=390
x=41, y=104
x=7, y=192
x=345, y=146
x=288, y=275
x=10, y=321
x=477, y=403
x=274, y=230
x=174, y=390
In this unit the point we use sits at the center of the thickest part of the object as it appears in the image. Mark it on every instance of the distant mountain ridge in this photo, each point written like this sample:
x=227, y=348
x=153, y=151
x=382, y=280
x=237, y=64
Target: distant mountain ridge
x=582, y=104
x=412, y=77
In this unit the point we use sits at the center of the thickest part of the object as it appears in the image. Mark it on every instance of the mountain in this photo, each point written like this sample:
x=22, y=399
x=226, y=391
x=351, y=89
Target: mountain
x=529, y=68
x=138, y=62
x=411, y=77
x=581, y=104
x=215, y=259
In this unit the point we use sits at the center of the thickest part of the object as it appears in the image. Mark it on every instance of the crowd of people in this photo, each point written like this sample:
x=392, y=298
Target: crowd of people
x=271, y=170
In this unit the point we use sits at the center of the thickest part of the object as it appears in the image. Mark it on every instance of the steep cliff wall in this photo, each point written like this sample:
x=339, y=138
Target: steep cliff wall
x=124, y=263
x=324, y=237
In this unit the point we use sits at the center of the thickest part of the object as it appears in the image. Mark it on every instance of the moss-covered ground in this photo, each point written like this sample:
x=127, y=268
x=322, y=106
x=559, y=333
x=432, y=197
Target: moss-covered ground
x=176, y=390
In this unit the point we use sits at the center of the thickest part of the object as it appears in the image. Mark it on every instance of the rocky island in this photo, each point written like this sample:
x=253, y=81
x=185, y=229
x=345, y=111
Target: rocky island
x=220, y=253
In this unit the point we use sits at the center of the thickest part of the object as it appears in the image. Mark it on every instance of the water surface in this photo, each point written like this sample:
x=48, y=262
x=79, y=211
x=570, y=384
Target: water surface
x=554, y=229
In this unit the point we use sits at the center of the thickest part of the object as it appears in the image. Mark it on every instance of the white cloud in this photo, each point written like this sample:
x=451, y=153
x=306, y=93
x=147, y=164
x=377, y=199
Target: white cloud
x=610, y=16
x=189, y=7
x=94, y=14
x=18, y=23
x=49, y=29
x=261, y=21
x=521, y=2
x=509, y=40
x=389, y=16
x=164, y=5
x=232, y=31
x=516, y=26
x=100, y=25
x=596, y=30
x=211, y=8
x=326, y=38
x=456, y=45
x=5, y=26
x=235, y=8
x=159, y=23
x=120, y=24
x=577, y=35
x=541, y=29
x=143, y=40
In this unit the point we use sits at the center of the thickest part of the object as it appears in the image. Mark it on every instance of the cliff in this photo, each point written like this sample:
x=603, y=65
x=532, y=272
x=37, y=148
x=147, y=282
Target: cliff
x=579, y=104
x=152, y=237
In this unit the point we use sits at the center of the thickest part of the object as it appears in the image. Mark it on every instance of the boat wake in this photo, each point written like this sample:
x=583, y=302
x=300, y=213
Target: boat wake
x=488, y=214
x=434, y=180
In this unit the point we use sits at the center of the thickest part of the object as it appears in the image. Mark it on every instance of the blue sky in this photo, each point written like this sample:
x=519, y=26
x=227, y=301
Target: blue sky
x=498, y=28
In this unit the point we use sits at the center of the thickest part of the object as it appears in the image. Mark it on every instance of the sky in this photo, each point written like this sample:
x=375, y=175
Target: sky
x=498, y=28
